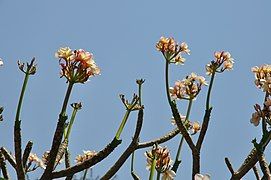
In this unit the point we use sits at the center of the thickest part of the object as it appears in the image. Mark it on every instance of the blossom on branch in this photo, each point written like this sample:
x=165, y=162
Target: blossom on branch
x=187, y=88
x=172, y=50
x=221, y=58
x=163, y=161
x=77, y=66
x=263, y=77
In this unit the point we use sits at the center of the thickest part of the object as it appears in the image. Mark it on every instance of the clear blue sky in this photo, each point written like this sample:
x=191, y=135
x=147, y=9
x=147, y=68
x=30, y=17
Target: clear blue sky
x=122, y=35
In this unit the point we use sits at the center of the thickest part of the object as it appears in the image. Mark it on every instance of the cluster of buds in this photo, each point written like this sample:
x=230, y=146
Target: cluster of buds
x=172, y=50
x=163, y=161
x=260, y=113
x=77, y=66
x=221, y=58
x=87, y=155
x=30, y=69
x=133, y=105
x=192, y=127
x=34, y=159
x=187, y=88
x=263, y=77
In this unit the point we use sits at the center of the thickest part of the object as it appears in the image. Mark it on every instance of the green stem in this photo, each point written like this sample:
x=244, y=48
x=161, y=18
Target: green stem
x=139, y=94
x=85, y=174
x=67, y=134
x=177, y=161
x=66, y=99
x=17, y=118
x=209, y=91
x=123, y=122
x=152, y=169
x=188, y=110
x=132, y=162
x=158, y=176
x=167, y=82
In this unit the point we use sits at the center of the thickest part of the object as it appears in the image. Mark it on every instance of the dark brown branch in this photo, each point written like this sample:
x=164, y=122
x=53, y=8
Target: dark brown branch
x=160, y=140
x=27, y=151
x=264, y=166
x=18, y=150
x=249, y=162
x=181, y=127
x=228, y=163
x=204, y=128
x=8, y=157
x=88, y=163
x=3, y=166
x=131, y=148
x=54, y=147
x=256, y=172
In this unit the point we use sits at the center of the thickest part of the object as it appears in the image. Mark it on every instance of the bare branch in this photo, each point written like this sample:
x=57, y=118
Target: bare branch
x=18, y=150
x=8, y=157
x=131, y=148
x=160, y=140
x=27, y=151
x=88, y=163
x=3, y=166
x=256, y=172
x=228, y=163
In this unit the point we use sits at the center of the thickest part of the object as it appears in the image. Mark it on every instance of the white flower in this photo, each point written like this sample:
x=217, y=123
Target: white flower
x=202, y=177
x=168, y=175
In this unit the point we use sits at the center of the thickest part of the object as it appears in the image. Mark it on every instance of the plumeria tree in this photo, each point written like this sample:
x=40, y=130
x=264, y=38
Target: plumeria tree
x=77, y=66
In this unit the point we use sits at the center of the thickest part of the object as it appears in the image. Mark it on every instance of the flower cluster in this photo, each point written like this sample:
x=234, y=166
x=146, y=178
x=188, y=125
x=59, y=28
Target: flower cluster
x=77, y=66
x=163, y=161
x=87, y=155
x=171, y=50
x=33, y=158
x=221, y=58
x=263, y=77
x=187, y=88
x=193, y=127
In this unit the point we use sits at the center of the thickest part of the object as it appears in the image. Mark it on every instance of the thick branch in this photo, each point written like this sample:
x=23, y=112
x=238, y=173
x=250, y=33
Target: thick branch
x=181, y=127
x=264, y=166
x=204, y=128
x=131, y=148
x=55, y=146
x=18, y=151
x=88, y=163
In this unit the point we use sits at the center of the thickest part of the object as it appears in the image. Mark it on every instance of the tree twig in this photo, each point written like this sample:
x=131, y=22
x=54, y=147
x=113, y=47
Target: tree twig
x=27, y=151
x=8, y=157
x=228, y=163
x=130, y=149
x=256, y=172
x=3, y=166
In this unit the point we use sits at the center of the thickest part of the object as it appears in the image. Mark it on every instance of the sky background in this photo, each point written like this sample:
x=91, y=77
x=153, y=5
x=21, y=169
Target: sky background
x=122, y=36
